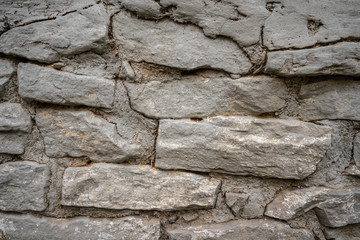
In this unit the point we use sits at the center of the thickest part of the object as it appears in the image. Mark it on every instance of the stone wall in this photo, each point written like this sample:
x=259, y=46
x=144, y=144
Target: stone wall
x=189, y=120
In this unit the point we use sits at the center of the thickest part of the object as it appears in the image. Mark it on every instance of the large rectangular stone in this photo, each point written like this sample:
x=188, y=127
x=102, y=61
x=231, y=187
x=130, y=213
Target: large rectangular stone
x=136, y=187
x=48, y=85
x=200, y=96
x=23, y=186
x=278, y=148
x=15, y=227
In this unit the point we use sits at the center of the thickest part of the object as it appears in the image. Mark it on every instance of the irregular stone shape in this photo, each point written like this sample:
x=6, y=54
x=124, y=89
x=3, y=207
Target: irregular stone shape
x=45, y=41
x=331, y=99
x=23, y=186
x=240, y=230
x=340, y=58
x=246, y=205
x=81, y=133
x=288, y=149
x=345, y=233
x=353, y=170
x=310, y=22
x=175, y=45
x=7, y=69
x=143, y=8
x=136, y=187
x=80, y=228
x=15, y=125
x=334, y=208
x=197, y=96
x=48, y=85
x=357, y=150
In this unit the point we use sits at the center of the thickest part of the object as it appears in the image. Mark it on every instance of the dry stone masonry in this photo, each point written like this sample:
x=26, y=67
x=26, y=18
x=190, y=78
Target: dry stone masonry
x=179, y=120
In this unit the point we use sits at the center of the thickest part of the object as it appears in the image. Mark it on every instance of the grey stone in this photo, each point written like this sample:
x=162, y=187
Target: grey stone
x=357, y=150
x=136, y=187
x=175, y=45
x=288, y=149
x=240, y=230
x=15, y=126
x=333, y=99
x=143, y=8
x=236, y=201
x=246, y=205
x=7, y=69
x=191, y=216
x=46, y=41
x=199, y=96
x=353, y=170
x=351, y=232
x=79, y=228
x=23, y=186
x=334, y=208
x=48, y=85
x=81, y=133
x=311, y=22
x=340, y=58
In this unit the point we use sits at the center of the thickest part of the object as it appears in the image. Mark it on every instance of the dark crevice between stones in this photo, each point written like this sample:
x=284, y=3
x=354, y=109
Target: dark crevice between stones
x=156, y=134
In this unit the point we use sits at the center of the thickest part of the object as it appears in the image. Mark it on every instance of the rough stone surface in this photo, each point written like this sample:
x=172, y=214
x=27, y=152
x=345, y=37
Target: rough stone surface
x=240, y=230
x=46, y=41
x=15, y=125
x=333, y=99
x=175, y=45
x=310, y=22
x=52, y=86
x=334, y=208
x=23, y=186
x=345, y=233
x=277, y=148
x=7, y=69
x=246, y=205
x=357, y=150
x=80, y=228
x=340, y=58
x=136, y=187
x=353, y=170
x=83, y=134
x=198, y=96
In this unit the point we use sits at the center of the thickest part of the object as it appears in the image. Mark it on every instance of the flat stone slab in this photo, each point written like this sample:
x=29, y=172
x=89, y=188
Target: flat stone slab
x=332, y=99
x=175, y=45
x=48, y=85
x=288, y=149
x=23, y=186
x=136, y=187
x=80, y=228
x=340, y=59
x=310, y=22
x=198, y=96
x=334, y=208
x=46, y=41
x=82, y=133
x=240, y=230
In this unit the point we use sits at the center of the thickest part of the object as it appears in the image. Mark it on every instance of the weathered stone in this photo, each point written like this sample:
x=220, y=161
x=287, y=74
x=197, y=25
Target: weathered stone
x=7, y=69
x=340, y=58
x=334, y=208
x=143, y=8
x=48, y=85
x=240, y=230
x=236, y=201
x=357, y=150
x=175, y=45
x=333, y=99
x=136, y=187
x=310, y=22
x=246, y=205
x=45, y=41
x=15, y=125
x=198, y=96
x=351, y=232
x=23, y=186
x=288, y=149
x=353, y=170
x=80, y=228
x=81, y=133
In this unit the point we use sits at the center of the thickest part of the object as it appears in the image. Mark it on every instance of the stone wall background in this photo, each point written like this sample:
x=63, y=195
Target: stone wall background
x=163, y=119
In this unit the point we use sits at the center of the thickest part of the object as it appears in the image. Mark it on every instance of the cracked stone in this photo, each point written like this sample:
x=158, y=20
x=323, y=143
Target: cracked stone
x=334, y=208
x=278, y=148
x=332, y=99
x=15, y=126
x=201, y=96
x=338, y=59
x=240, y=230
x=7, y=69
x=80, y=228
x=46, y=41
x=48, y=85
x=81, y=133
x=311, y=22
x=175, y=45
x=23, y=186
x=137, y=187
x=246, y=205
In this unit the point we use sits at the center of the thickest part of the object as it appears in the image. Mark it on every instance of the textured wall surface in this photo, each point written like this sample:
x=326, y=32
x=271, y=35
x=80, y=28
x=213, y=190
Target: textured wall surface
x=187, y=120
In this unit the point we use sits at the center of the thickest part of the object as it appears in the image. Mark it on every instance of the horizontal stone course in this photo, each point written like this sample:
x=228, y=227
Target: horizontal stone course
x=136, y=187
